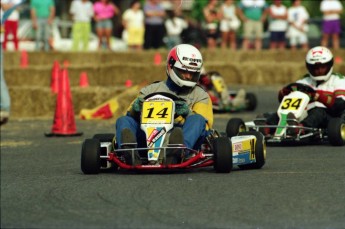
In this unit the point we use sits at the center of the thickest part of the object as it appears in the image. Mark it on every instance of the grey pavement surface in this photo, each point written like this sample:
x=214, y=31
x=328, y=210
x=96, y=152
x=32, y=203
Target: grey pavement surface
x=42, y=186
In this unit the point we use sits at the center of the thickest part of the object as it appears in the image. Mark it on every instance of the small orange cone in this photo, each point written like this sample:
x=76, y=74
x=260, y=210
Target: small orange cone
x=83, y=80
x=24, y=59
x=64, y=123
x=54, y=84
x=338, y=60
x=157, y=60
x=128, y=83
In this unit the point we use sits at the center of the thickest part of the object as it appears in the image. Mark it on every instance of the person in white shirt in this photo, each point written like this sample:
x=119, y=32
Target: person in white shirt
x=11, y=24
x=229, y=24
x=298, y=18
x=82, y=12
x=331, y=25
x=133, y=21
x=277, y=24
x=174, y=26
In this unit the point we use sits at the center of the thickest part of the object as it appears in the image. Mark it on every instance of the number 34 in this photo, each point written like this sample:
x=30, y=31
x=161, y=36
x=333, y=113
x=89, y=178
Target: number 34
x=291, y=104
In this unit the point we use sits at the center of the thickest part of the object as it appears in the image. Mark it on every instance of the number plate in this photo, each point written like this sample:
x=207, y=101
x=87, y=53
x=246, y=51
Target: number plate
x=291, y=103
x=157, y=112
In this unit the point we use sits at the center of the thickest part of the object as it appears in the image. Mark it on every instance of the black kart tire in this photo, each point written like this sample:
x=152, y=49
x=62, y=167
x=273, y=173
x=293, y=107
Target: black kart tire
x=222, y=155
x=90, y=156
x=251, y=101
x=260, y=151
x=235, y=126
x=336, y=131
x=104, y=137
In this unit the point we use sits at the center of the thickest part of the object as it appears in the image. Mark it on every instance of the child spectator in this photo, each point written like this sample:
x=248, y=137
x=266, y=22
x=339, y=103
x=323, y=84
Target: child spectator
x=11, y=24
x=277, y=24
x=331, y=26
x=133, y=23
x=298, y=18
x=82, y=13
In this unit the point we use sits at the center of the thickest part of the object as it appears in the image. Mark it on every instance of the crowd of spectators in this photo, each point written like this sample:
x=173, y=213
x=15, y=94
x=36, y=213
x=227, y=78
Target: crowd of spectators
x=153, y=24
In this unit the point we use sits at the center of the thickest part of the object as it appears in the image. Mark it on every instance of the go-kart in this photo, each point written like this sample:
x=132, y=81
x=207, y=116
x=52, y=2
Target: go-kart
x=248, y=150
x=287, y=130
x=224, y=100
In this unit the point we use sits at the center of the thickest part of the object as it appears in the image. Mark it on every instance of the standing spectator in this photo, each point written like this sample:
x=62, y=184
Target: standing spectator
x=331, y=26
x=104, y=11
x=11, y=24
x=82, y=13
x=298, y=18
x=174, y=26
x=133, y=23
x=42, y=16
x=154, y=24
x=277, y=24
x=5, y=100
x=253, y=13
x=229, y=24
x=212, y=17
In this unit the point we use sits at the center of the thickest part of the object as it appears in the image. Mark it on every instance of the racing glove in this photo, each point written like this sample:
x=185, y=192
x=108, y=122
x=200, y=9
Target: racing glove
x=325, y=98
x=181, y=108
x=138, y=104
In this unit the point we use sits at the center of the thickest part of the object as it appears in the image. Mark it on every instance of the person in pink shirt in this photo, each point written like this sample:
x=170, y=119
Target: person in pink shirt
x=104, y=11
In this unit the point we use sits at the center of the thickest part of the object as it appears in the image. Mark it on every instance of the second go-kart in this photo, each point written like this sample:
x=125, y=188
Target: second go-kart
x=292, y=110
x=224, y=100
x=248, y=150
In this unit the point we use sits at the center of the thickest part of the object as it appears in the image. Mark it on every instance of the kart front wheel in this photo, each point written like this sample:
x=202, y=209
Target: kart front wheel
x=222, y=155
x=336, y=131
x=235, y=126
x=90, y=156
x=107, y=137
x=251, y=101
x=104, y=137
x=260, y=151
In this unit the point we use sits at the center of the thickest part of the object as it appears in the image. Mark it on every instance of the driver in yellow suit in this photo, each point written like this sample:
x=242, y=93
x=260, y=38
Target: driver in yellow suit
x=193, y=108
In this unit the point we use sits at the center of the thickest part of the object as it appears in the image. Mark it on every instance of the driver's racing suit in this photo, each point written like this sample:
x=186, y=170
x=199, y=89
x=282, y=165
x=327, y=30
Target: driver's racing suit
x=195, y=125
x=329, y=102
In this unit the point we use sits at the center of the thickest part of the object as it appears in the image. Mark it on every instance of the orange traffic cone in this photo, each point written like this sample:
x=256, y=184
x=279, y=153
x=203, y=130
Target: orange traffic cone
x=64, y=123
x=24, y=59
x=157, y=60
x=54, y=83
x=83, y=80
x=128, y=83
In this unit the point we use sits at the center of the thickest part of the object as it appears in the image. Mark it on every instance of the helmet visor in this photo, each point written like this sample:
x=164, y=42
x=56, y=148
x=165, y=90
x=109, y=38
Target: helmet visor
x=319, y=69
x=187, y=75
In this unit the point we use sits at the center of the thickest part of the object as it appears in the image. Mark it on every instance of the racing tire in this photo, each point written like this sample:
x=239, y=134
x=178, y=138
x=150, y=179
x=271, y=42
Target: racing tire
x=251, y=101
x=222, y=155
x=260, y=151
x=90, y=156
x=108, y=137
x=336, y=131
x=104, y=137
x=235, y=126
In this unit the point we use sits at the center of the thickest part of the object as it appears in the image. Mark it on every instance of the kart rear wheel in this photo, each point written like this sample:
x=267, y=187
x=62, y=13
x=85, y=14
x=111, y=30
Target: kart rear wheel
x=251, y=101
x=336, y=132
x=90, y=156
x=104, y=137
x=235, y=126
x=222, y=155
x=260, y=151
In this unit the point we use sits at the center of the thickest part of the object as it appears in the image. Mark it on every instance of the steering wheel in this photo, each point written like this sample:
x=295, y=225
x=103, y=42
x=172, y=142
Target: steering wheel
x=167, y=94
x=301, y=87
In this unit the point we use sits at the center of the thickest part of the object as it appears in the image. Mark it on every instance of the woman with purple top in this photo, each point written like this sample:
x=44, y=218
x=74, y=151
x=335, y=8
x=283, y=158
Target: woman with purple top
x=331, y=26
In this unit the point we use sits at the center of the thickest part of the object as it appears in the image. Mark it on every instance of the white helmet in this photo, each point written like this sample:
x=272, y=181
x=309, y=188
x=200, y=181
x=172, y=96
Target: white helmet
x=184, y=57
x=317, y=57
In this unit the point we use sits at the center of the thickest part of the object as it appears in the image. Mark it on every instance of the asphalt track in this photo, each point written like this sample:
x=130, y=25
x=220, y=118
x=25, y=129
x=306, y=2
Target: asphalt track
x=42, y=186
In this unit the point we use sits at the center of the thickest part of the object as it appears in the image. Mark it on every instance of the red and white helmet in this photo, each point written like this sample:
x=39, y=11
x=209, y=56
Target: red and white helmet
x=184, y=57
x=316, y=57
